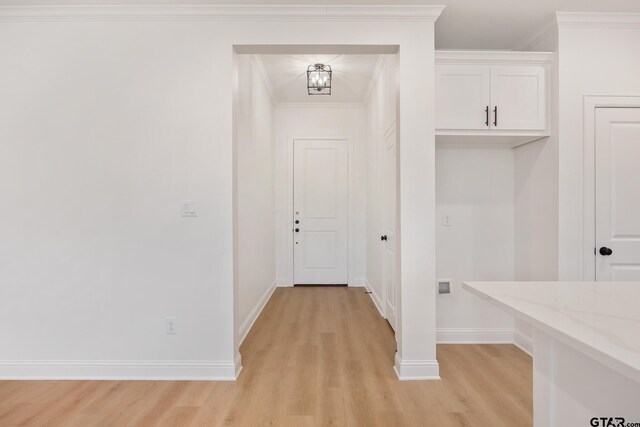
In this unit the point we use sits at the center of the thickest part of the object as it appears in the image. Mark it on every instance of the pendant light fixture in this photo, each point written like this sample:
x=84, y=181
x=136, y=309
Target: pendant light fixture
x=319, y=79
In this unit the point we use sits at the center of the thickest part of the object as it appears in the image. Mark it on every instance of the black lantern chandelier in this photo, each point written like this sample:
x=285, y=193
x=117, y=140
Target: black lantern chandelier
x=319, y=79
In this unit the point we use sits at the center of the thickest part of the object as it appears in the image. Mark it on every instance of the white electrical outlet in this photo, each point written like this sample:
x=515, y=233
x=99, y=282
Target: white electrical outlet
x=447, y=220
x=172, y=326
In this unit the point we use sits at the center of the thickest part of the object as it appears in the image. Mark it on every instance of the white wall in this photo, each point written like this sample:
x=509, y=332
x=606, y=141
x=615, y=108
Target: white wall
x=107, y=127
x=389, y=105
x=475, y=187
x=320, y=120
x=595, y=59
x=256, y=193
x=536, y=189
x=536, y=217
x=536, y=210
x=536, y=197
x=114, y=115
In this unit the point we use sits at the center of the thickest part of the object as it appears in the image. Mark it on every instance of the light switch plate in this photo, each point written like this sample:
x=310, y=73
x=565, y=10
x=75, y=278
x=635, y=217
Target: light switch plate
x=189, y=208
x=447, y=220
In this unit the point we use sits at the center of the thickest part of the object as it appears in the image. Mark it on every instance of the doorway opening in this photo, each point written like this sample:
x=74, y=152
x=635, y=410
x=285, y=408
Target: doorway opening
x=316, y=187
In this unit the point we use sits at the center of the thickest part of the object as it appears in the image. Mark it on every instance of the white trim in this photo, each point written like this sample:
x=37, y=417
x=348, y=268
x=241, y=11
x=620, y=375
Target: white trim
x=237, y=364
x=283, y=283
x=358, y=282
x=411, y=370
x=494, y=57
x=591, y=103
x=545, y=30
x=467, y=138
x=349, y=140
x=474, y=336
x=376, y=299
x=255, y=313
x=298, y=105
x=597, y=20
x=402, y=13
x=523, y=342
x=126, y=370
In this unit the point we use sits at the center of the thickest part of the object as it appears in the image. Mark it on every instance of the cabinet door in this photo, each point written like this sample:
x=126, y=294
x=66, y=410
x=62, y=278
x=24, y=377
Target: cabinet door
x=518, y=98
x=462, y=95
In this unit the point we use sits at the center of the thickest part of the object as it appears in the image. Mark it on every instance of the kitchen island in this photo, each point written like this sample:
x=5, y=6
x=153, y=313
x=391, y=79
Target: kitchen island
x=586, y=348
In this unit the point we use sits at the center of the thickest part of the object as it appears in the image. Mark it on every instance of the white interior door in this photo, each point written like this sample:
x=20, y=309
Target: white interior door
x=617, y=154
x=320, y=212
x=518, y=98
x=389, y=236
x=462, y=97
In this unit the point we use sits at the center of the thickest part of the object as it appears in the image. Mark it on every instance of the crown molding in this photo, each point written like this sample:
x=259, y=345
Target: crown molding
x=546, y=30
x=506, y=57
x=597, y=20
x=402, y=13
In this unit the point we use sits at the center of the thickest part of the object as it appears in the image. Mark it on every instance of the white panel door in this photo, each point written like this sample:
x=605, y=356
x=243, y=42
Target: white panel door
x=320, y=217
x=617, y=198
x=462, y=97
x=518, y=98
x=389, y=222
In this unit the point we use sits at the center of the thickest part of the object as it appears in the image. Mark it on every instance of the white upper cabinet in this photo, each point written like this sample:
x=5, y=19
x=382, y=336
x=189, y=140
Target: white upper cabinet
x=462, y=96
x=518, y=97
x=492, y=93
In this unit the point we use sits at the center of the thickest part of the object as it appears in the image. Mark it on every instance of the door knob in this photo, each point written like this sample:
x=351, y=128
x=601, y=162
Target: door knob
x=605, y=251
x=297, y=230
x=297, y=221
x=383, y=238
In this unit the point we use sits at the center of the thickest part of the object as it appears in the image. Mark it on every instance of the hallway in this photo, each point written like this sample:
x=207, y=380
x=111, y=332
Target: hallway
x=315, y=357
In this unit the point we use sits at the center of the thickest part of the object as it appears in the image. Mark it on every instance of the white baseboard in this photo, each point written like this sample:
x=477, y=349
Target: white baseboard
x=474, y=336
x=253, y=315
x=411, y=370
x=523, y=342
x=170, y=370
x=283, y=283
x=375, y=298
x=358, y=283
x=237, y=365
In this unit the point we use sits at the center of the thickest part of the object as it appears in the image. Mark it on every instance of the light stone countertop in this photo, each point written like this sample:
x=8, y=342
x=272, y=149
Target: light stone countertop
x=599, y=319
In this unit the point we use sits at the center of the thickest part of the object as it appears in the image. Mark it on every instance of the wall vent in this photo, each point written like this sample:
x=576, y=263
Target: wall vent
x=444, y=286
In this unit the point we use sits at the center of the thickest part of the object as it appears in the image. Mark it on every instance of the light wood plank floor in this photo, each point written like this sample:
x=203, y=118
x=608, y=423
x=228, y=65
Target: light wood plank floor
x=315, y=357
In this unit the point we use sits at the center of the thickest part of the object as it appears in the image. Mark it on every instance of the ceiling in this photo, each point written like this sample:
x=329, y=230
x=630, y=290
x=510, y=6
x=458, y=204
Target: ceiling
x=351, y=76
x=502, y=24
x=464, y=24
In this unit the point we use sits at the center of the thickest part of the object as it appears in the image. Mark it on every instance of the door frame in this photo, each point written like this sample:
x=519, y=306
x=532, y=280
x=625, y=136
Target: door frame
x=392, y=128
x=591, y=104
x=348, y=139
